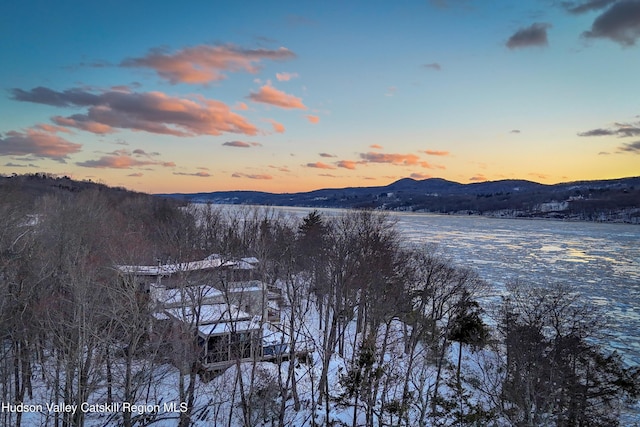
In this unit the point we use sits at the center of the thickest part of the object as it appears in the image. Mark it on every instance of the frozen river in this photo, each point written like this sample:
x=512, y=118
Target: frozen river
x=601, y=261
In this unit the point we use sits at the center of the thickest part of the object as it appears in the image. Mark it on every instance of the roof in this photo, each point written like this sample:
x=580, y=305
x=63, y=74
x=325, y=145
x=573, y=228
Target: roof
x=213, y=261
x=208, y=314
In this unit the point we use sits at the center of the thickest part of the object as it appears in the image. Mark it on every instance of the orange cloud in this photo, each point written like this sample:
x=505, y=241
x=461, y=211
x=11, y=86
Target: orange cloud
x=203, y=64
x=313, y=119
x=270, y=95
x=436, y=153
x=285, y=77
x=478, y=178
x=241, y=106
x=319, y=165
x=37, y=143
x=376, y=146
x=347, y=164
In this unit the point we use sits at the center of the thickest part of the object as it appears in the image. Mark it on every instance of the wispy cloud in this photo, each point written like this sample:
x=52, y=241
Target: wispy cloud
x=205, y=63
x=620, y=23
x=326, y=155
x=277, y=127
x=433, y=66
x=268, y=94
x=124, y=159
x=538, y=175
x=313, y=119
x=577, y=8
x=478, y=178
x=632, y=147
x=241, y=144
x=201, y=174
x=376, y=146
x=405, y=159
x=534, y=35
x=285, y=77
x=280, y=168
x=136, y=174
x=417, y=175
x=621, y=130
x=251, y=176
x=153, y=112
x=241, y=106
x=436, y=153
x=319, y=165
x=37, y=143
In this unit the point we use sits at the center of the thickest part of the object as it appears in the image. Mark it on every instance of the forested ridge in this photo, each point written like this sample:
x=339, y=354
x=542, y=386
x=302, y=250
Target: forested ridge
x=393, y=335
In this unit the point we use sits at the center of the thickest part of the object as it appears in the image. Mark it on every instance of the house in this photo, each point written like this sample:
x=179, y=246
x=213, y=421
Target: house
x=218, y=300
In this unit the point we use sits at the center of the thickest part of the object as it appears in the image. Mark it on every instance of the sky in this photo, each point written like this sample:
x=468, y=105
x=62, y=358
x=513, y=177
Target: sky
x=291, y=96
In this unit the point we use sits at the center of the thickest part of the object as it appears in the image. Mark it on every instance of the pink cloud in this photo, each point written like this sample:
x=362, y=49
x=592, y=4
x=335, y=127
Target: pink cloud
x=285, y=77
x=37, y=143
x=313, y=119
x=270, y=95
x=203, y=64
x=241, y=106
x=153, y=112
x=319, y=165
x=376, y=146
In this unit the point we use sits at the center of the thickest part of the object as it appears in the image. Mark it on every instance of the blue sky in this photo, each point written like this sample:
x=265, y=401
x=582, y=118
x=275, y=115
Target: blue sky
x=293, y=96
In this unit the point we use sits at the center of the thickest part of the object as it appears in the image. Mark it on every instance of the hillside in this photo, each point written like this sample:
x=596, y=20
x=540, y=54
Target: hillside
x=604, y=200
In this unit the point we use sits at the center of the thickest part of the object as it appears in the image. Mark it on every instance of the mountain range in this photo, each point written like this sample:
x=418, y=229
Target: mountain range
x=605, y=200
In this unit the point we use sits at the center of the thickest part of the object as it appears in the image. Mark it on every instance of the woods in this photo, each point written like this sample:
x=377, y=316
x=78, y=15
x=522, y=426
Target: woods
x=368, y=331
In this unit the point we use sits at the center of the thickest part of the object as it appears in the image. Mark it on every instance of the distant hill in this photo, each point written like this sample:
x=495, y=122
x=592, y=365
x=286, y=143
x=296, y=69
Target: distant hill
x=29, y=188
x=602, y=200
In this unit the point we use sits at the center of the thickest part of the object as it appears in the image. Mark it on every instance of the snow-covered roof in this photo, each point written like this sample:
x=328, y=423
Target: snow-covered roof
x=229, y=327
x=213, y=261
x=185, y=295
x=209, y=314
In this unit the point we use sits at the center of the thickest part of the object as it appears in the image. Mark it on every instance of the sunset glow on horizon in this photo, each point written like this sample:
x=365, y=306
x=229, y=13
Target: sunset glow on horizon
x=295, y=96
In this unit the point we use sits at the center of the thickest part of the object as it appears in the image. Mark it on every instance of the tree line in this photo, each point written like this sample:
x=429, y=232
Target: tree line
x=392, y=334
